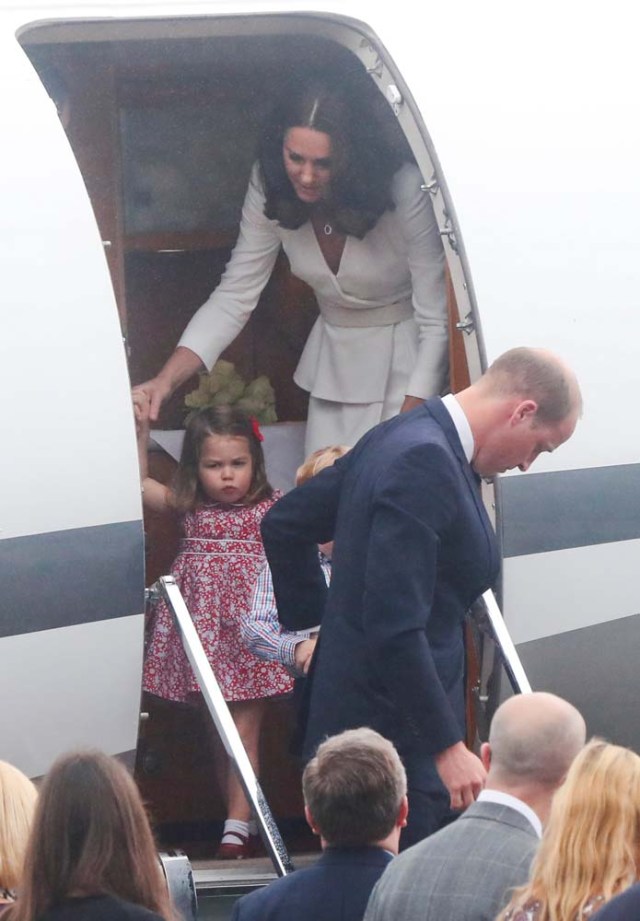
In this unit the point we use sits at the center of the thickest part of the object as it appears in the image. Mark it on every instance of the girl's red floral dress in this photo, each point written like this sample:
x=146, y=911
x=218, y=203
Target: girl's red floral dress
x=216, y=568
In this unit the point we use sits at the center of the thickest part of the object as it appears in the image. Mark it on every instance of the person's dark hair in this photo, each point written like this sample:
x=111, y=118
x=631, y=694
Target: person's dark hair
x=218, y=420
x=537, y=375
x=354, y=787
x=90, y=836
x=363, y=162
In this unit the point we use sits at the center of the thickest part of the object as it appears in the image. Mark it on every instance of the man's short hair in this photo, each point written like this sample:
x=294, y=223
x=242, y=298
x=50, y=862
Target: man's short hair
x=538, y=375
x=354, y=787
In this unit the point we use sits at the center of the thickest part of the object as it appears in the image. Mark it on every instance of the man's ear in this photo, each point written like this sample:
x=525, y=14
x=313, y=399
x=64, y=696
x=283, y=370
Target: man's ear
x=485, y=756
x=310, y=820
x=524, y=411
x=403, y=812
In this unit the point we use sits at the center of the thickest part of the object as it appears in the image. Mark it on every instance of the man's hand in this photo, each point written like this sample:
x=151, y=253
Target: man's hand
x=462, y=773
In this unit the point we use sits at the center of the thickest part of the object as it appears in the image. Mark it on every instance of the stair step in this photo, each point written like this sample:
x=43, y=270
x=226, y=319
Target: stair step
x=244, y=874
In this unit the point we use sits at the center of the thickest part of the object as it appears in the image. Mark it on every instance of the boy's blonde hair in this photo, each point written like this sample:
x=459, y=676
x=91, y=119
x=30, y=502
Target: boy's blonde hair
x=318, y=460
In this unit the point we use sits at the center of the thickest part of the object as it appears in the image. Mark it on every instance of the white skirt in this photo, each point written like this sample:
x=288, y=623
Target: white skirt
x=330, y=423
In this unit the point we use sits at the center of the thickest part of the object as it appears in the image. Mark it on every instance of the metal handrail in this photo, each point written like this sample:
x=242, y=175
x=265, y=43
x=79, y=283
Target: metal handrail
x=491, y=620
x=225, y=725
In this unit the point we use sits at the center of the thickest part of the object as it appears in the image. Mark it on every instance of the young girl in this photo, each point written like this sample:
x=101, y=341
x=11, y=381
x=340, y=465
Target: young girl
x=221, y=491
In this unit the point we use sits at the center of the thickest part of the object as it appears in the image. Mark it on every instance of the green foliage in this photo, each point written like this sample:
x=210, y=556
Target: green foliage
x=223, y=386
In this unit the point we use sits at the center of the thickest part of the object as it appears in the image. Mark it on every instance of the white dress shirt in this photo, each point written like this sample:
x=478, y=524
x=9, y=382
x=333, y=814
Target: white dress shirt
x=505, y=799
x=461, y=423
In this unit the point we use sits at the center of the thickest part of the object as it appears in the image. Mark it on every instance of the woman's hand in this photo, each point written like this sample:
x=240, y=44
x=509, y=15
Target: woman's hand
x=303, y=655
x=149, y=397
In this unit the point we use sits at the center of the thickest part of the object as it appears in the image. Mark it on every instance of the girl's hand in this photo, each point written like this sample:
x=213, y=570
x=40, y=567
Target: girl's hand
x=148, y=398
x=303, y=655
x=143, y=426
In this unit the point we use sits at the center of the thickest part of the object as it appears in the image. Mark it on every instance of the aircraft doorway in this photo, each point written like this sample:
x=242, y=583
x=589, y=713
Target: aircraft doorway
x=163, y=118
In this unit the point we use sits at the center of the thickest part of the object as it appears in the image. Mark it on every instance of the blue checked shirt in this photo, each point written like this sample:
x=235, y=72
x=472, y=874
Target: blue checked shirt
x=261, y=630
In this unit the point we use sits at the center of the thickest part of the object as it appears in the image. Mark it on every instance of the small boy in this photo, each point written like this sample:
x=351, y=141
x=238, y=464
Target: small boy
x=261, y=631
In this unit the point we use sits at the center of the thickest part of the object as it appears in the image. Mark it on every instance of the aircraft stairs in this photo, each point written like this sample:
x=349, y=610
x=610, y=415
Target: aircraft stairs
x=206, y=890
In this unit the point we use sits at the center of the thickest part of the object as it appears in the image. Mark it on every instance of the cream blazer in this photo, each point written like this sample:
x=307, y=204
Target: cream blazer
x=385, y=308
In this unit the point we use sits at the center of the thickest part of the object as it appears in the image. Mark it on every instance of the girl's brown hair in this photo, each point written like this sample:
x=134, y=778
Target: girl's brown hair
x=218, y=420
x=90, y=836
x=590, y=847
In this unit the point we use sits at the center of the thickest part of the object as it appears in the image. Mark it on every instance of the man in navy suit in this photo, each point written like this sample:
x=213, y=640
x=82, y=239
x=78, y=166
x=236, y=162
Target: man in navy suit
x=355, y=800
x=413, y=549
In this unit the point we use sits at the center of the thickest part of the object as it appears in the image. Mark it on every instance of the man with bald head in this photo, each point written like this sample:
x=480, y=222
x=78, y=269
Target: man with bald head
x=466, y=870
x=413, y=549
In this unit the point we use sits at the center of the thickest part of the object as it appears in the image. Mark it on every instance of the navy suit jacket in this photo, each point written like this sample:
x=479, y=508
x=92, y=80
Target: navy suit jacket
x=413, y=549
x=336, y=888
x=625, y=907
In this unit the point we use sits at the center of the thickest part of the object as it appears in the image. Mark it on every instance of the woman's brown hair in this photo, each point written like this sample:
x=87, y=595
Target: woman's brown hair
x=90, y=836
x=218, y=420
x=362, y=161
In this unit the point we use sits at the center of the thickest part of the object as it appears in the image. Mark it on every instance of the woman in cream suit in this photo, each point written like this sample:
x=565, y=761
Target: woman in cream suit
x=356, y=227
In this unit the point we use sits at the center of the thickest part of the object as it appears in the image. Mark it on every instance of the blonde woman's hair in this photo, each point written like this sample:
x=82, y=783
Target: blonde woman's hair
x=591, y=844
x=17, y=804
x=317, y=461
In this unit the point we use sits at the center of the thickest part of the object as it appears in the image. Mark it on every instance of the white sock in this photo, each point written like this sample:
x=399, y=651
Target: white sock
x=233, y=827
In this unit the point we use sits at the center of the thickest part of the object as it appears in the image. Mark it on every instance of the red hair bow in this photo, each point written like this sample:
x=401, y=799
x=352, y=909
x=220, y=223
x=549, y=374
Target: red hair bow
x=256, y=428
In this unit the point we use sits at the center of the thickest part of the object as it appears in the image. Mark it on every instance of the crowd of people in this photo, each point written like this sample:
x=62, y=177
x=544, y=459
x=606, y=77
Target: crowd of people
x=553, y=836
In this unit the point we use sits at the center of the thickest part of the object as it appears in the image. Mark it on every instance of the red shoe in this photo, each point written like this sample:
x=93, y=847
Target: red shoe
x=235, y=850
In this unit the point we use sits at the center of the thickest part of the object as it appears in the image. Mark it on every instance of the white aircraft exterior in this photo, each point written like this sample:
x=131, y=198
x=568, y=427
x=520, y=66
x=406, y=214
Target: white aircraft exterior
x=526, y=116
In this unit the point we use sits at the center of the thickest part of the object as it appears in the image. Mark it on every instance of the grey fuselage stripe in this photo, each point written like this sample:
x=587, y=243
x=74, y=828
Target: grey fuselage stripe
x=541, y=512
x=71, y=577
x=596, y=668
